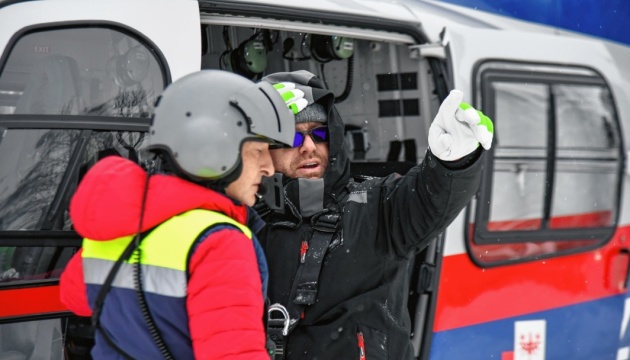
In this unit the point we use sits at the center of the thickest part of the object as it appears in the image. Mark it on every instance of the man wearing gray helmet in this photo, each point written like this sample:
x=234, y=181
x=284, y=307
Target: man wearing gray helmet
x=169, y=267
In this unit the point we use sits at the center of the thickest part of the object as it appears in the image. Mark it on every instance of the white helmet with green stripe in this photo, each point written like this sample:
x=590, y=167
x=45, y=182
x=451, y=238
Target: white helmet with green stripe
x=202, y=120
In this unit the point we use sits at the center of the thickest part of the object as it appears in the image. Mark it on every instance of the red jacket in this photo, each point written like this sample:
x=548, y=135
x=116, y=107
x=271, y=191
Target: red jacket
x=224, y=301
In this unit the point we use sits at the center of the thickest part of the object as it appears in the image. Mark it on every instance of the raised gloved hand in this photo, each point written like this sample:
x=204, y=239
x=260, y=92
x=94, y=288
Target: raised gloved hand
x=458, y=129
x=294, y=98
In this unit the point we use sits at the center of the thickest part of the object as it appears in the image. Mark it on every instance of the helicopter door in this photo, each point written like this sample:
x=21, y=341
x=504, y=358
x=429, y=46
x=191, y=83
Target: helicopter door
x=536, y=267
x=78, y=81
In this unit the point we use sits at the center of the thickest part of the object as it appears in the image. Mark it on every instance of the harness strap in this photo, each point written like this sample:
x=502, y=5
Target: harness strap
x=305, y=285
x=106, y=287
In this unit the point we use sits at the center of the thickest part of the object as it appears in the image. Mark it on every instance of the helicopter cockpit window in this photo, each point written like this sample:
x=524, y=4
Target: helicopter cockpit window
x=62, y=91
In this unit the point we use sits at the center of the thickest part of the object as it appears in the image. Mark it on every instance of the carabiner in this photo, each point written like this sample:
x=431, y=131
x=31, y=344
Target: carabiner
x=285, y=317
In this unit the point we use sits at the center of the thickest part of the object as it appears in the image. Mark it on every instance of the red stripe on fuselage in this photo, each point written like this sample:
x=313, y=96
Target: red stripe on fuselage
x=30, y=301
x=469, y=295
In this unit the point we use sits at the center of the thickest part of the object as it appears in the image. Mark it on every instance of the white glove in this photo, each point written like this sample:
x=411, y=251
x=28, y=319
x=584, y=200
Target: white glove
x=294, y=98
x=458, y=129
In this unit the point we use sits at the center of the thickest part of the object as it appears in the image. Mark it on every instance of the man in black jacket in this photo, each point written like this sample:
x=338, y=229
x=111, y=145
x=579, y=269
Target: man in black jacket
x=339, y=251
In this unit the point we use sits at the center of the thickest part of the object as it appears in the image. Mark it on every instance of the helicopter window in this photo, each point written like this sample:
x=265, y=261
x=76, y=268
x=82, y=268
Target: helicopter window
x=553, y=178
x=528, y=138
x=80, y=71
x=587, y=158
x=62, y=91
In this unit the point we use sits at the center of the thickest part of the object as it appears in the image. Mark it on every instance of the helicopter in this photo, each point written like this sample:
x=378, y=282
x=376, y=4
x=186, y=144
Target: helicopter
x=536, y=266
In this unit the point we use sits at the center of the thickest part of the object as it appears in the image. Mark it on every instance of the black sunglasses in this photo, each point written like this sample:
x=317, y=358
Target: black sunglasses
x=318, y=135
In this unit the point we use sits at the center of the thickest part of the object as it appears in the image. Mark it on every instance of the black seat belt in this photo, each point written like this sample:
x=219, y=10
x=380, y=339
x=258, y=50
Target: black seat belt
x=304, y=289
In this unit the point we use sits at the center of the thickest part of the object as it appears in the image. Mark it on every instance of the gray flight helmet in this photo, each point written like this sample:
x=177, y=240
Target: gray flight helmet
x=202, y=120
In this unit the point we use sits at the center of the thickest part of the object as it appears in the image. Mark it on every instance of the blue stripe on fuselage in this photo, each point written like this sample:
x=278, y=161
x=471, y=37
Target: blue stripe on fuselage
x=587, y=331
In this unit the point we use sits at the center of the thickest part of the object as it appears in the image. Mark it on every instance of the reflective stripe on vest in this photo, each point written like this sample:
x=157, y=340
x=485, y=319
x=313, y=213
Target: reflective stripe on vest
x=164, y=253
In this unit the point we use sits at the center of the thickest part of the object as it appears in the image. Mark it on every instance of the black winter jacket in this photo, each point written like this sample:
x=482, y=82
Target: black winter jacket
x=363, y=284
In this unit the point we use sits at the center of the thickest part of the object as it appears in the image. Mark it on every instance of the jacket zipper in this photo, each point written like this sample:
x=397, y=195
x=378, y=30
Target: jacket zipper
x=361, y=346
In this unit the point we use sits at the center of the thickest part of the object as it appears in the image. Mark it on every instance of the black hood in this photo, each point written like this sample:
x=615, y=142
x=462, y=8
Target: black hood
x=338, y=171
